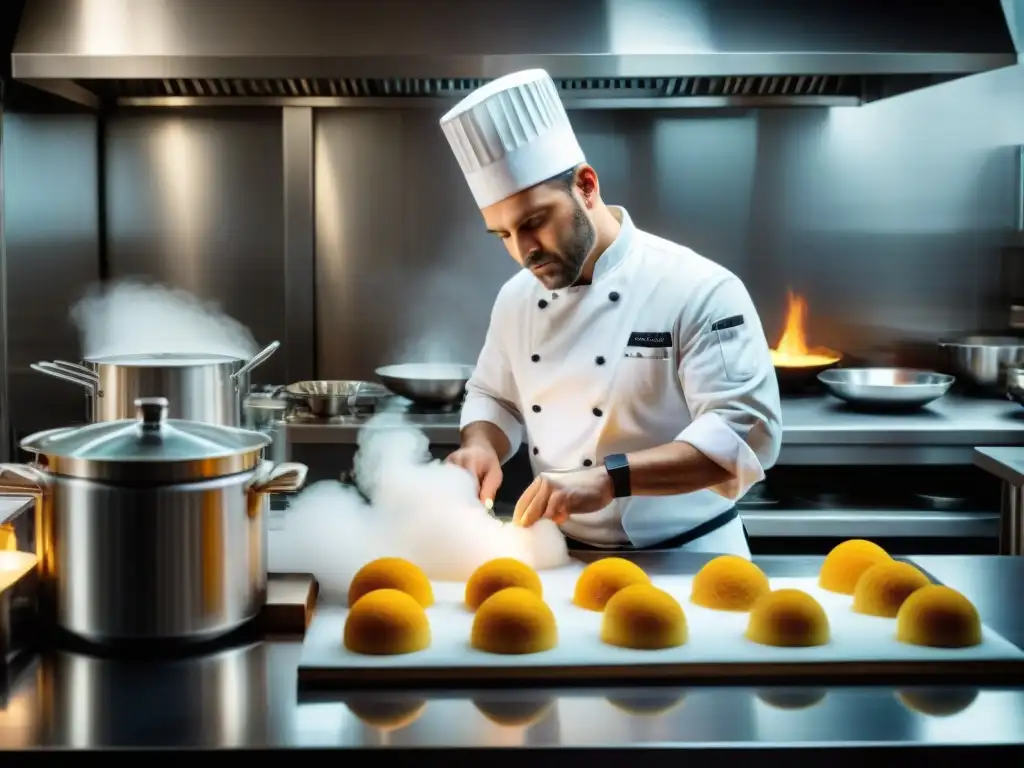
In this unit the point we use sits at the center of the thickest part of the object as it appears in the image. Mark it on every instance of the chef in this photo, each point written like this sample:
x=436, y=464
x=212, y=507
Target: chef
x=636, y=369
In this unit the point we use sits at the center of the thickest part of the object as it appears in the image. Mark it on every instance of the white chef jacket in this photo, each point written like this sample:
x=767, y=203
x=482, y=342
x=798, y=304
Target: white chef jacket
x=663, y=345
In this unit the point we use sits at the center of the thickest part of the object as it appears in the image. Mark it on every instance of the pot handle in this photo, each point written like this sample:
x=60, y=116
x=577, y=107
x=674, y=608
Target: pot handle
x=279, y=478
x=257, y=359
x=23, y=479
x=50, y=369
x=81, y=370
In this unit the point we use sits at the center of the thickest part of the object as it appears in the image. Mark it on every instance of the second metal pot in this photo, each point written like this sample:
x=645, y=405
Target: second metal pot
x=150, y=530
x=209, y=388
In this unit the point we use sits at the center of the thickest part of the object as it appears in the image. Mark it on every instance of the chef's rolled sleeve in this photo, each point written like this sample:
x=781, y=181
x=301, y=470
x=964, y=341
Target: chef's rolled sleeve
x=491, y=392
x=730, y=386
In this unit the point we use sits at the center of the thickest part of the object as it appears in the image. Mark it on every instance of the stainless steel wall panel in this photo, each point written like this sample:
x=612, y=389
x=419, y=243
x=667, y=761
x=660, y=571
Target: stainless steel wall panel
x=195, y=201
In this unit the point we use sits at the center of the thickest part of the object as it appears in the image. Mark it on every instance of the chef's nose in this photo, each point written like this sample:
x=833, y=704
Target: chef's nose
x=528, y=245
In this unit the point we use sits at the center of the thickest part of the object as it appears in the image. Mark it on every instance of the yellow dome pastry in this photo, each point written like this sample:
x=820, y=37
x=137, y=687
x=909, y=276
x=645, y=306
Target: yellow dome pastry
x=514, y=621
x=647, y=705
x=513, y=712
x=788, y=618
x=937, y=702
x=603, y=578
x=386, y=622
x=729, y=583
x=938, y=617
x=391, y=573
x=388, y=714
x=883, y=588
x=792, y=698
x=847, y=562
x=496, y=575
x=643, y=617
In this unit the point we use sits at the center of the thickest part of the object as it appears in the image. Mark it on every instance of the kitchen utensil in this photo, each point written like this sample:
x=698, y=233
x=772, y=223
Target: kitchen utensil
x=265, y=412
x=207, y=388
x=332, y=398
x=430, y=384
x=1015, y=384
x=886, y=388
x=150, y=529
x=982, y=360
x=794, y=379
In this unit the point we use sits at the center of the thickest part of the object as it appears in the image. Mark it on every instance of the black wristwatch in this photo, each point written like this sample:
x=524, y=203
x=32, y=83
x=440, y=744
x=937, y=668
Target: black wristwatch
x=617, y=466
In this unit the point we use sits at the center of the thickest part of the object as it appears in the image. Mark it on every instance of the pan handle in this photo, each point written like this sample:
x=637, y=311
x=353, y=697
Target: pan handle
x=59, y=373
x=81, y=370
x=257, y=359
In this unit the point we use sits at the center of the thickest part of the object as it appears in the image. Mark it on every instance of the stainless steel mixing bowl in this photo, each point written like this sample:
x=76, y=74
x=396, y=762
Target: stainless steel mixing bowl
x=429, y=384
x=982, y=360
x=886, y=388
x=331, y=398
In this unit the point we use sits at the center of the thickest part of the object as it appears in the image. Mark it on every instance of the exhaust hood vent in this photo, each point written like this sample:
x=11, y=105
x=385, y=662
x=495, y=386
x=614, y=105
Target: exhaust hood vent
x=603, y=53
x=661, y=91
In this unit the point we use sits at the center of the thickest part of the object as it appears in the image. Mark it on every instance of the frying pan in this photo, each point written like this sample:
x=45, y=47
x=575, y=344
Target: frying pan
x=430, y=384
x=795, y=380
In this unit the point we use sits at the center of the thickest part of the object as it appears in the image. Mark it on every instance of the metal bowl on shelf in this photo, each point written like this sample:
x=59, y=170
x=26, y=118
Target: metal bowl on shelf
x=886, y=388
x=332, y=398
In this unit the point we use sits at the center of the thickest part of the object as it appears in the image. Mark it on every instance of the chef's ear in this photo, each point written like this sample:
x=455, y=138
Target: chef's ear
x=586, y=184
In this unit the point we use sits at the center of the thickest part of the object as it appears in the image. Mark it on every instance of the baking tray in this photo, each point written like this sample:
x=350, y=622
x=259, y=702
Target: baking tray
x=862, y=649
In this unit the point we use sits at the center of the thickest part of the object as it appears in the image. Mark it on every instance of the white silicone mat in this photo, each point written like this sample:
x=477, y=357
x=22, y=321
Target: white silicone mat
x=860, y=647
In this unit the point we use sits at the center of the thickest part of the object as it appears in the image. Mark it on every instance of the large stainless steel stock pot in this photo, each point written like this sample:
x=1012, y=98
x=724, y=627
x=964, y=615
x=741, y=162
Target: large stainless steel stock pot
x=150, y=528
x=209, y=388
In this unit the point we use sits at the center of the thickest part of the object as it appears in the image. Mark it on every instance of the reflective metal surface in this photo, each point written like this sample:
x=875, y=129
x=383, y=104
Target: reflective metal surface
x=427, y=383
x=745, y=50
x=1007, y=464
x=129, y=563
x=816, y=431
x=886, y=387
x=194, y=201
x=983, y=360
x=331, y=398
x=246, y=696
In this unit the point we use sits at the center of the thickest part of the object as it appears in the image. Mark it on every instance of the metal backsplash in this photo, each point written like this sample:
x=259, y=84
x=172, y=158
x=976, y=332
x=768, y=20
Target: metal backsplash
x=891, y=219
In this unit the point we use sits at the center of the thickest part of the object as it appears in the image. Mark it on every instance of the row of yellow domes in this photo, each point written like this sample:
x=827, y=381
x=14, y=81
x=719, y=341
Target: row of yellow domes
x=388, y=598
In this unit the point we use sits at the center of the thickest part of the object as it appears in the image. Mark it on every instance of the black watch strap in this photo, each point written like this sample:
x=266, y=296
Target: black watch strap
x=617, y=466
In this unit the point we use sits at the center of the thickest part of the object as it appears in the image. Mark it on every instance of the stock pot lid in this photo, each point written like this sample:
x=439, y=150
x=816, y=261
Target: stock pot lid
x=149, y=438
x=162, y=360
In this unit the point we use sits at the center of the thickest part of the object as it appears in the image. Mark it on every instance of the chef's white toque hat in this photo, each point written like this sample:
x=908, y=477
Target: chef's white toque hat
x=510, y=135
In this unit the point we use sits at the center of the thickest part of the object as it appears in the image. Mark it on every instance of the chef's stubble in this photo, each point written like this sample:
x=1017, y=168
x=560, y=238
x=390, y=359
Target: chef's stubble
x=573, y=251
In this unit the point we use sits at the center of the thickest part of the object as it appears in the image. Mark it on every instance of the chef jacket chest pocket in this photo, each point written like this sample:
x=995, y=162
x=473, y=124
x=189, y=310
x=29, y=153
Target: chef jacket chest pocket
x=645, y=374
x=737, y=345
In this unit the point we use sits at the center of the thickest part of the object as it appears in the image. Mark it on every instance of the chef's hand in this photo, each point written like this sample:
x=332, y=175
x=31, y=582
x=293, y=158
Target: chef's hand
x=483, y=464
x=557, y=495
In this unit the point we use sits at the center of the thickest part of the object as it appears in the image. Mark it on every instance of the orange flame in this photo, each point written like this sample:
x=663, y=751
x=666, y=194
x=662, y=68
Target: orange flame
x=792, y=350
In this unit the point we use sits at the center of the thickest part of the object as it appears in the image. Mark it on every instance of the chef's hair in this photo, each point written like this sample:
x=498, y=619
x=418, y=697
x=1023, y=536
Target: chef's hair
x=564, y=179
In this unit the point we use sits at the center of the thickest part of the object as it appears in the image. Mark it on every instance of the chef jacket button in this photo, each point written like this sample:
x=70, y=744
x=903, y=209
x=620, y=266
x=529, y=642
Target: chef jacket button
x=598, y=412
x=542, y=303
x=614, y=295
x=536, y=409
x=536, y=451
x=599, y=359
x=587, y=463
x=535, y=358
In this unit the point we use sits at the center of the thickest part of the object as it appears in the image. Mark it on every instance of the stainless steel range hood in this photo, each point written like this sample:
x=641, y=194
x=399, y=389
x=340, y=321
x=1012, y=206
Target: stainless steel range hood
x=603, y=53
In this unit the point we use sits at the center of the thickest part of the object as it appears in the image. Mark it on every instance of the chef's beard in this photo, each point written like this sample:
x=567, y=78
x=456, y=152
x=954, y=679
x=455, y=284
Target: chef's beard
x=572, y=255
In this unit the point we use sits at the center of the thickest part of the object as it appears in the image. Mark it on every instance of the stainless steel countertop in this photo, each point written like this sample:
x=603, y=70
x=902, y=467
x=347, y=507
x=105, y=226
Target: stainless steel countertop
x=1005, y=463
x=945, y=431
x=246, y=697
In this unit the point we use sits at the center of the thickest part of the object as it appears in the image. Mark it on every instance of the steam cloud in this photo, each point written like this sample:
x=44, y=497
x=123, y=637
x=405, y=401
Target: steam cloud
x=422, y=509
x=131, y=317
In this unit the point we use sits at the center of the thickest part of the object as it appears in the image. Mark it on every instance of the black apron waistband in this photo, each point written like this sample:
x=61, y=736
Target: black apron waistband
x=687, y=537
